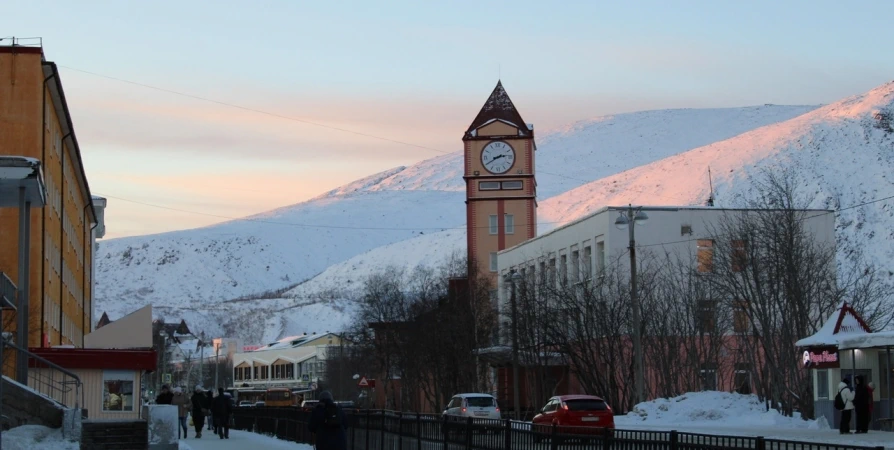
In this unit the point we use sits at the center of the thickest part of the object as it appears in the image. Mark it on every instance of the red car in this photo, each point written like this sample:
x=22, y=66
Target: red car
x=576, y=411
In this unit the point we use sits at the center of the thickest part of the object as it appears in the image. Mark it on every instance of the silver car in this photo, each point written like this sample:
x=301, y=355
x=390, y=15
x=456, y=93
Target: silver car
x=479, y=406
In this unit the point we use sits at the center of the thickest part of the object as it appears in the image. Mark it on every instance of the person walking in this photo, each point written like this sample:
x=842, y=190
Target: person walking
x=198, y=402
x=182, y=404
x=328, y=424
x=165, y=396
x=861, y=405
x=847, y=396
x=221, y=410
x=211, y=423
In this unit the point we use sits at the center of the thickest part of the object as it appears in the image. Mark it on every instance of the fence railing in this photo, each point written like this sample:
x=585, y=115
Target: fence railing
x=390, y=430
x=47, y=378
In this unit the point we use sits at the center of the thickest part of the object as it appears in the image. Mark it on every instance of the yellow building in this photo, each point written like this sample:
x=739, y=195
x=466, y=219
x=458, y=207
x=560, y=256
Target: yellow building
x=35, y=122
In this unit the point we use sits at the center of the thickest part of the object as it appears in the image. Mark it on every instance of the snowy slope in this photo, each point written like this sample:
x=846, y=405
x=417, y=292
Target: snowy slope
x=844, y=151
x=191, y=273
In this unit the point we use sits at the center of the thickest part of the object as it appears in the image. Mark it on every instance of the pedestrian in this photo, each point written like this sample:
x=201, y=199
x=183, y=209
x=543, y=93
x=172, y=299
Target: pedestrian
x=861, y=405
x=165, y=396
x=182, y=404
x=847, y=396
x=328, y=424
x=871, y=388
x=211, y=422
x=221, y=410
x=198, y=402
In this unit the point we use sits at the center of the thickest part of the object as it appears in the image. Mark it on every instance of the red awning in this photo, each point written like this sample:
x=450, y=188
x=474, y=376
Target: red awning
x=95, y=358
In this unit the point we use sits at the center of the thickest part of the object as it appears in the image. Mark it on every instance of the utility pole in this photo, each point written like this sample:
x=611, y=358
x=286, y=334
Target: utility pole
x=512, y=277
x=202, y=359
x=630, y=219
x=216, y=364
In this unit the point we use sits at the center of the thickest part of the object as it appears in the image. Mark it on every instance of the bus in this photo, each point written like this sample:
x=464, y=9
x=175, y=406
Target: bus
x=279, y=397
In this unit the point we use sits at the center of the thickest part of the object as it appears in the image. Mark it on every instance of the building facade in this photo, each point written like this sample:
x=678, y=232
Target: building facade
x=35, y=122
x=293, y=362
x=501, y=189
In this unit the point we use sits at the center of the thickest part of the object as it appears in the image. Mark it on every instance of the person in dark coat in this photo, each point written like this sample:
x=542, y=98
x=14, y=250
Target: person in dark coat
x=328, y=437
x=165, y=396
x=210, y=420
x=861, y=405
x=221, y=410
x=199, y=406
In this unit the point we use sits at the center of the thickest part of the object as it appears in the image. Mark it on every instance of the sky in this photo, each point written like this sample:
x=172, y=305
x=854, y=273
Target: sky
x=190, y=112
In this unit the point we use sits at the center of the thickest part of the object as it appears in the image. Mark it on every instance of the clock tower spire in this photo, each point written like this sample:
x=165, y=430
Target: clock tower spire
x=501, y=191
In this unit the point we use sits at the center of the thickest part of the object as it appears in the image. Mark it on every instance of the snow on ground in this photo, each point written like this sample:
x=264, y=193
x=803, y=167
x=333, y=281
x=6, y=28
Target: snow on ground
x=240, y=440
x=27, y=437
x=723, y=413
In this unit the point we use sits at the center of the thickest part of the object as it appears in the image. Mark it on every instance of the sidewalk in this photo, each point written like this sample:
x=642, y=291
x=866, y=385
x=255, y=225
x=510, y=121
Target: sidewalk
x=239, y=440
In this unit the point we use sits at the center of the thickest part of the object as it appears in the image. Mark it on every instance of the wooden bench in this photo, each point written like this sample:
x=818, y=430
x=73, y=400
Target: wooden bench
x=885, y=424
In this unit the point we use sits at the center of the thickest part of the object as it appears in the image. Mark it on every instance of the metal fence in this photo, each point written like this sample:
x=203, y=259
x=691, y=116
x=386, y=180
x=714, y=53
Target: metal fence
x=390, y=430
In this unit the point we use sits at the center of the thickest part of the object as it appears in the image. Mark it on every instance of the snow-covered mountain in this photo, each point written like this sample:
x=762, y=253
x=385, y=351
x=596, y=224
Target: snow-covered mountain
x=232, y=277
x=843, y=152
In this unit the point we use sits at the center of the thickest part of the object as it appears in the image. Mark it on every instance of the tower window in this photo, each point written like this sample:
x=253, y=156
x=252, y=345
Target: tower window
x=489, y=185
x=493, y=261
x=513, y=185
x=509, y=220
x=494, y=227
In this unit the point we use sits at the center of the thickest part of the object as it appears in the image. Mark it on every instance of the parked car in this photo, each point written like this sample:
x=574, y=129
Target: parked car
x=574, y=412
x=245, y=404
x=308, y=405
x=260, y=404
x=477, y=406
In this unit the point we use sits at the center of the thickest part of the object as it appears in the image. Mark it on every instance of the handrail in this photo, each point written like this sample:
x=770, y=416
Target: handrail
x=77, y=380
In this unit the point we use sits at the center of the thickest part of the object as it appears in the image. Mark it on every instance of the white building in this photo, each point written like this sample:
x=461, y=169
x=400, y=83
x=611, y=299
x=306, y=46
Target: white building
x=293, y=362
x=583, y=248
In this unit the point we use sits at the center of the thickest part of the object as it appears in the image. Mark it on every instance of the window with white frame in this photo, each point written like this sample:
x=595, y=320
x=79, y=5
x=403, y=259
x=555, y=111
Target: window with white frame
x=493, y=261
x=117, y=390
x=493, y=224
x=509, y=221
x=588, y=262
x=600, y=258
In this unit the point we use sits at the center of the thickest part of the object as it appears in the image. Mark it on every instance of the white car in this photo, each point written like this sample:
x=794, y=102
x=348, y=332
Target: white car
x=478, y=406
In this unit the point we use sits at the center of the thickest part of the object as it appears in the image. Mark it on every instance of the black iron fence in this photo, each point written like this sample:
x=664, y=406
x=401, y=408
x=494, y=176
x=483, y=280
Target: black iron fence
x=390, y=430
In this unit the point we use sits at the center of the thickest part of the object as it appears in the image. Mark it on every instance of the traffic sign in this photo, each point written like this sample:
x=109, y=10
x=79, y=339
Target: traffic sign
x=313, y=386
x=166, y=378
x=305, y=377
x=363, y=382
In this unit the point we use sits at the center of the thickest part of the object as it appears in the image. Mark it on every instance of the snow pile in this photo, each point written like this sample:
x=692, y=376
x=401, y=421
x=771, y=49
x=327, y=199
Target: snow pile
x=712, y=408
x=28, y=437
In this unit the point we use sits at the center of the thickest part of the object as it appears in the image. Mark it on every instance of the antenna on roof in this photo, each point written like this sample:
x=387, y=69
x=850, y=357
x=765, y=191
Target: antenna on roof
x=710, y=201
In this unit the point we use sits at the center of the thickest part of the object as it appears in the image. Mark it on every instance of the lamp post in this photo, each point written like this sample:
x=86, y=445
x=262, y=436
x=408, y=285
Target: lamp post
x=512, y=277
x=629, y=219
x=202, y=359
x=217, y=363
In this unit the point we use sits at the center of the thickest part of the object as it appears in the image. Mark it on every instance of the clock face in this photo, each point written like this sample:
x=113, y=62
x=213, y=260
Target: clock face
x=497, y=157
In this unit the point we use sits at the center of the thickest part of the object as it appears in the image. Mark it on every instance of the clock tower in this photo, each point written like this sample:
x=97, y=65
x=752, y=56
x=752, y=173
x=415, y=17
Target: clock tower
x=501, y=204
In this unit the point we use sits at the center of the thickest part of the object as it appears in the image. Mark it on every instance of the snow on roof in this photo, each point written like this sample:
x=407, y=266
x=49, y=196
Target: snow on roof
x=845, y=322
x=868, y=340
x=17, y=167
x=290, y=342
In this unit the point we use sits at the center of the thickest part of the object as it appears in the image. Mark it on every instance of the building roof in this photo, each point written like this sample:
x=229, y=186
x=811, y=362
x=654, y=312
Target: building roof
x=88, y=358
x=103, y=321
x=843, y=323
x=499, y=107
x=21, y=172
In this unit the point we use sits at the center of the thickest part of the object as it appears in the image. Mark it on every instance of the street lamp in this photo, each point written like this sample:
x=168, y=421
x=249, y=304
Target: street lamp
x=512, y=277
x=629, y=220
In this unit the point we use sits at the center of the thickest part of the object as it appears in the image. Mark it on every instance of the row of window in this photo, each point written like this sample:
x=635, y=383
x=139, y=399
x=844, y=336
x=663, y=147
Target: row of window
x=705, y=255
x=580, y=266
x=285, y=371
x=508, y=224
x=497, y=185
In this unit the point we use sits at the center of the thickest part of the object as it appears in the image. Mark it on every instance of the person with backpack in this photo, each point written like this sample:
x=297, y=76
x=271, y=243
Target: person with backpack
x=844, y=402
x=328, y=424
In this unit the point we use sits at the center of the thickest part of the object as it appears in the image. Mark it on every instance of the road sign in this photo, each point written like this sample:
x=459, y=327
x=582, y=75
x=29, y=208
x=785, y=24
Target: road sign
x=313, y=386
x=305, y=377
x=363, y=382
x=166, y=378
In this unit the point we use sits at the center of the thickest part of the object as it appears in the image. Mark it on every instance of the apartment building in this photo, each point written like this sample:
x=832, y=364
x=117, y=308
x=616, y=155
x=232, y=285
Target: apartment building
x=35, y=122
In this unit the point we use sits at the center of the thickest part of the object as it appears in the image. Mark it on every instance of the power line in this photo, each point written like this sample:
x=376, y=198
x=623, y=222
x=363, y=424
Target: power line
x=345, y=227
x=305, y=121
